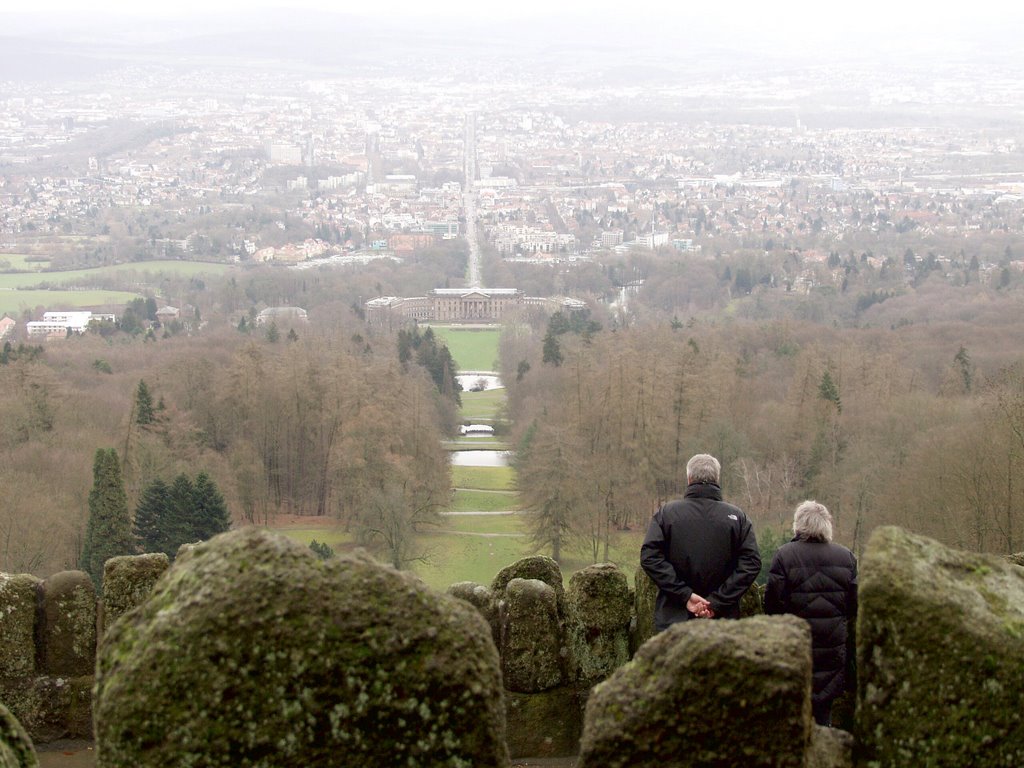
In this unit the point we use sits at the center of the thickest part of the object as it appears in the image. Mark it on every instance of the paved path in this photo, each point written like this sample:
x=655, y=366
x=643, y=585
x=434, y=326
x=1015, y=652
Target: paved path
x=66, y=754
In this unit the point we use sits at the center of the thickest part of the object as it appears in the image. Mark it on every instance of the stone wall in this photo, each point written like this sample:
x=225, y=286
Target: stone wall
x=49, y=629
x=940, y=639
x=554, y=643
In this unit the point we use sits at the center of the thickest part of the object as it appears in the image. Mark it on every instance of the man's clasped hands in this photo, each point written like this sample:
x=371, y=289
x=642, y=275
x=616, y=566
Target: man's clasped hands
x=700, y=607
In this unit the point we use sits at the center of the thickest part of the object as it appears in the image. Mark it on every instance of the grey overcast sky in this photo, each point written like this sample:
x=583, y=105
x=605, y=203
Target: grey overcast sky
x=898, y=26
x=799, y=15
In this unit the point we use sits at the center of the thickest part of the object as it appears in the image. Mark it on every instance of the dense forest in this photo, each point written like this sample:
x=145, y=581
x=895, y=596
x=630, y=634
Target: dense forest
x=920, y=425
x=892, y=394
x=320, y=425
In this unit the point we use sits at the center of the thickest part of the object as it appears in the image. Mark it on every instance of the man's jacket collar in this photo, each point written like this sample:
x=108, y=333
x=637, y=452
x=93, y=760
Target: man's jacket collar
x=704, y=491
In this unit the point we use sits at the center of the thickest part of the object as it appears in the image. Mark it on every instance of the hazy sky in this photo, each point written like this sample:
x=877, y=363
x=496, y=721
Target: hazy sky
x=907, y=22
x=804, y=14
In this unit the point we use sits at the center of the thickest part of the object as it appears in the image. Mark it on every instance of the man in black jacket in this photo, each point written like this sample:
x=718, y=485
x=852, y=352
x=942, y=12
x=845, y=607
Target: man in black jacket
x=700, y=551
x=814, y=579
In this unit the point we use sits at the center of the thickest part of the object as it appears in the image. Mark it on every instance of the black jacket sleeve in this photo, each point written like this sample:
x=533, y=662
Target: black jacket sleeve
x=775, y=592
x=748, y=566
x=656, y=564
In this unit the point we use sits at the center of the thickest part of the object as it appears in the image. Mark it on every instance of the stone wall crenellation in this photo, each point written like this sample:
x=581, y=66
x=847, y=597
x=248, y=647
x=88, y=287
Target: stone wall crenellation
x=573, y=670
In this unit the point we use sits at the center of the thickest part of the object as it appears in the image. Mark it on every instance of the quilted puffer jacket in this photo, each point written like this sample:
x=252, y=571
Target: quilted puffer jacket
x=817, y=581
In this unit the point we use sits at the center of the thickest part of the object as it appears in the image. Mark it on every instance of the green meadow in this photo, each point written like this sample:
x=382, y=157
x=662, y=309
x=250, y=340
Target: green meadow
x=13, y=302
x=474, y=500
x=475, y=547
x=473, y=349
x=21, y=281
x=20, y=262
x=482, y=405
x=61, y=290
x=484, y=478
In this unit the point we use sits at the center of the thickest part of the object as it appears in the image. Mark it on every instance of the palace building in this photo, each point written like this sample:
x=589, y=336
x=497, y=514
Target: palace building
x=460, y=305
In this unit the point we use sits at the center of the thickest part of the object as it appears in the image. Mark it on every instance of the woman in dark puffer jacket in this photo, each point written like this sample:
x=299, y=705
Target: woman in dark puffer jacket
x=814, y=579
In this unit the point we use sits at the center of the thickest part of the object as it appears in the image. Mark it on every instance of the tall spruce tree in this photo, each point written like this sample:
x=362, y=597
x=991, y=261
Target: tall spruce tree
x=151, y=516
x=109, y=530
x=144, y=413
x=209, y=512
x=179, y=527
x=181, y=513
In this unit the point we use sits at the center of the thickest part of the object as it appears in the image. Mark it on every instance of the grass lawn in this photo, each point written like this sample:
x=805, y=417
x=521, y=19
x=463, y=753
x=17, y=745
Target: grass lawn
x=483, y=478
x=453, y=556
x=624, y=552
x=336, y=537
x=474, y=349
x=12, y=301
x=482, y=405
x=475, y=444
x=75, y=276
x=504, y=524
x=483, y=501
x=20, y=262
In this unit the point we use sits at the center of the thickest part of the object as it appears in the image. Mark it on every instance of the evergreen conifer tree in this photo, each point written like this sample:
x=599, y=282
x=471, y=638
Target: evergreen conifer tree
x=180, y=527
x=151, y=516
x=109, y=530
x=209, y=512
x=144, y=413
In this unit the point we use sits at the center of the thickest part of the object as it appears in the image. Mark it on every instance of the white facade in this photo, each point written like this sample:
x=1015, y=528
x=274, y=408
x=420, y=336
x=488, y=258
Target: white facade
x=60, y=323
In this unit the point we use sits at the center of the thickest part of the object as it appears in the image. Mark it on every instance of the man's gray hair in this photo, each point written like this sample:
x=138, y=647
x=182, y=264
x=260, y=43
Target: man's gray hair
x=812, y=521
x=703, y=468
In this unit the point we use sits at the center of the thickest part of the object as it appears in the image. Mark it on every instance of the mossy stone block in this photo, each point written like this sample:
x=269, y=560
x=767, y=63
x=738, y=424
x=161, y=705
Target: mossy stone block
x=481, y=598
x=78, y=719
x=533, y=654
x=752, y=602
x=706, y=693
x=940, y=656
x=536, y=567
x=128, y=580
x=41, y=704
x=830, y=748
x=546, y=724
x=16, y=749
x=599, y=610
x=17, y=624
x=1017, y=558
x=253, y=652
x=645, y=593
x=67, y=625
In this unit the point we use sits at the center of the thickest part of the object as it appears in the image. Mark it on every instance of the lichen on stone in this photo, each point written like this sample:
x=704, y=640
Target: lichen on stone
x=67, y=624
x=599, y=610
x=251, y=651
x=16, y=749
x=940, y=655
x=17, y=624
x=709, y=693
x=128, y=580
x=533, y=655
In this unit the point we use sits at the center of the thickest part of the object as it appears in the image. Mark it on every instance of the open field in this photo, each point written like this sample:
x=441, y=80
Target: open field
x=474, y=349
x=505, y=525
x=12, y=302
x=76, y=276
x=475, y=444
x=28, y=290
x=475, y=547
x=483, y=478
x=453, y=557
x=20, y=262
x=482, y=405
x=483, y=501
